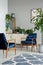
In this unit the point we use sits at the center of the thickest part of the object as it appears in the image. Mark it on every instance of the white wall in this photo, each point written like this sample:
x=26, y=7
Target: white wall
x=3, y=11
x=22, y=10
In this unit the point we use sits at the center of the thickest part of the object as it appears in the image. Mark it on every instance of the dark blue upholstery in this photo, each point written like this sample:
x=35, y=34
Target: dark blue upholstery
x=11, y=44
x=32, y=35
x=4, y=43
x=31, y=39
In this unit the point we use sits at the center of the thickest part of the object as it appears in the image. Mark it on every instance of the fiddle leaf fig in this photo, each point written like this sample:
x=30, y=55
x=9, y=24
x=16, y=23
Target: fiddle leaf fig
x=39, y=22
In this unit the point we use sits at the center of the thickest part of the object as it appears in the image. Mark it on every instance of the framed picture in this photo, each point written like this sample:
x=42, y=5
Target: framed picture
x=35, y=12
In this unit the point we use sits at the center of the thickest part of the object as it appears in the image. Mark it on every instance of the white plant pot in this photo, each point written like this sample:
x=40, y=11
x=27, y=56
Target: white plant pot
x=41, y=48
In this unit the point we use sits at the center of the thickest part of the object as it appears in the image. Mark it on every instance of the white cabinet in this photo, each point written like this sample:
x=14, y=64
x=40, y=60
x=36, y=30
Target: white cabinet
x=17, y=37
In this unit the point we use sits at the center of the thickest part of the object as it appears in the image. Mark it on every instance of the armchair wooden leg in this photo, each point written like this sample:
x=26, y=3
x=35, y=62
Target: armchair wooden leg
x=6, y=53
x=32, y=47
x=21, y=46
x=15, y=51
x=3, y=52
x=27, y=47
x=36, y=47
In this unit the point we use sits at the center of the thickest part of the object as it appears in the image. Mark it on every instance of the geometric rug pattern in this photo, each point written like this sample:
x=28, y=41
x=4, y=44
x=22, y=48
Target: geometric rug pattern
x=25, y=59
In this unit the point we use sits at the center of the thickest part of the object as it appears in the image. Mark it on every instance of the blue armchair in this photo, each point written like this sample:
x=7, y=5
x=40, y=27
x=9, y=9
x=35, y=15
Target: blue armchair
x=4, y=45
x=30, y=40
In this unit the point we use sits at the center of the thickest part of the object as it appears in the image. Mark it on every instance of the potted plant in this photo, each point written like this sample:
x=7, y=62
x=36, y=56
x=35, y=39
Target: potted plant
x=39, y=26
x=23, y=31
x=29, y=31
x=20, y=30
x=7, y=18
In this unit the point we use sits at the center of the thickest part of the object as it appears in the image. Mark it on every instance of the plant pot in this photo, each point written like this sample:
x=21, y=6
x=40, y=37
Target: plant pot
x=41, y=48
x=41, y=45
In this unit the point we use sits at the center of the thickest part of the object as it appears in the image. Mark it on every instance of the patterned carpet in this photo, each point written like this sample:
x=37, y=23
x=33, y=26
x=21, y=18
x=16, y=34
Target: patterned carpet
x=25, y=59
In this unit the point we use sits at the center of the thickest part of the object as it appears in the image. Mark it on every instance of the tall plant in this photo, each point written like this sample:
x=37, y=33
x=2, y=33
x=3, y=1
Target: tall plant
x=39, y=23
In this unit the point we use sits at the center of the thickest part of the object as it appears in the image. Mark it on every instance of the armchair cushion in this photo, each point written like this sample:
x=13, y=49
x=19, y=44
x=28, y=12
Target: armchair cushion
x=11, y=44
x=26, y=42
x=28, y=39
x=31, y=39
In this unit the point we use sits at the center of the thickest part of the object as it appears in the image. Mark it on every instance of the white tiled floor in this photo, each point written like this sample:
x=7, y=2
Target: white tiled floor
x=11, y=54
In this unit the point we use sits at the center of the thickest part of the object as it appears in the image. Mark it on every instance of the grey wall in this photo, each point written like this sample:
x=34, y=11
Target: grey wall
x=3, y=11
x=22, y=10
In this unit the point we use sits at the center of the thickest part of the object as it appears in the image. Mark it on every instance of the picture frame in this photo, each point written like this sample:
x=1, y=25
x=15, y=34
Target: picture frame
x=35, y=12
